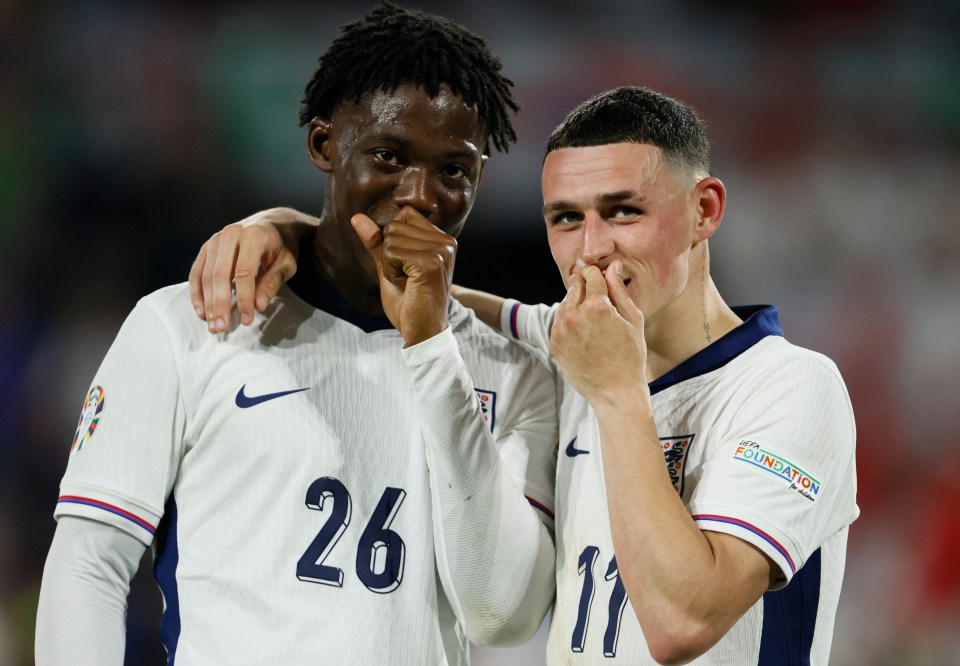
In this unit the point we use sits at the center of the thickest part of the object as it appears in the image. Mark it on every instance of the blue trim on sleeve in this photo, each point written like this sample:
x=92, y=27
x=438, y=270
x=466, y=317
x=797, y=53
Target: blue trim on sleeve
x=790, y=618
x=165, y=571
x=759, y=321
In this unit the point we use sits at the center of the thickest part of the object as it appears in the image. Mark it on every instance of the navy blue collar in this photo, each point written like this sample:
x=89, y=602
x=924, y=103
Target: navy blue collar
x=310, y=287
x=759, y=321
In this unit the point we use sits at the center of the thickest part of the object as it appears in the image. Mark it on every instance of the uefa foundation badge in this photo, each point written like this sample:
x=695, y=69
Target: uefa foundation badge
x=89, y=418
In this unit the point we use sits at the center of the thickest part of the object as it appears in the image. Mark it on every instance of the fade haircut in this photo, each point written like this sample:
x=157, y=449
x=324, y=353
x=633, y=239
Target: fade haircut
x=632, y=114
x=391, y=47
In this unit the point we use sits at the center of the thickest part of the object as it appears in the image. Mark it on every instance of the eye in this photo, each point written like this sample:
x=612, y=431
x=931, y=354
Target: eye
x=565, y=218
x=385, y=155
x=624, y=213
x=456, y=171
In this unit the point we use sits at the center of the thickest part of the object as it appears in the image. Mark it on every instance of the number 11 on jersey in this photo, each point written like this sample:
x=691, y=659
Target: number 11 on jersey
x=618, y=601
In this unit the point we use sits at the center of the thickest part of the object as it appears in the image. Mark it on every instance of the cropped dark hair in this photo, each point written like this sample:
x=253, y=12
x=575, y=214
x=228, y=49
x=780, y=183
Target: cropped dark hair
x=391, y=47
x=632, y=114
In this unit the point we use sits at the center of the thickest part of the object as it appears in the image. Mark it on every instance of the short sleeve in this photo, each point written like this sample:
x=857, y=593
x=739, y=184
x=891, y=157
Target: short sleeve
x=782, y=474
x=528, y=323
x=126, y=449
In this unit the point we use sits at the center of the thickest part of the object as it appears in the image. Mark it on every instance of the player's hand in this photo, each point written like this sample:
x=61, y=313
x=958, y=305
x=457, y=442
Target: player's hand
x=256, y=256
x=414, y=261
x=597, y=336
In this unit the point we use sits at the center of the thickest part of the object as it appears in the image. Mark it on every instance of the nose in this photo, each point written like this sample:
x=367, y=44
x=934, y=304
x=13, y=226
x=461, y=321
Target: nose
x=415, y=189
x=597, y=241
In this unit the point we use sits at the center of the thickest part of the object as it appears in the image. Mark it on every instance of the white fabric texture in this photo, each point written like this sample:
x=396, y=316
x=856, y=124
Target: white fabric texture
x=282, y=467
x=760, y=446
x=81, y=617
x=490, y=544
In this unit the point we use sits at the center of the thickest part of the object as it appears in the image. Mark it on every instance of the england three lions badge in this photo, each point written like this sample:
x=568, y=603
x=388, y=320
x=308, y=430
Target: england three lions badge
x=488, y=405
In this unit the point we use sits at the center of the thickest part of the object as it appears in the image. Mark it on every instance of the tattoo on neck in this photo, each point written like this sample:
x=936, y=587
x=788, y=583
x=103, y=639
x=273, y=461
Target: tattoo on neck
x=703, y=293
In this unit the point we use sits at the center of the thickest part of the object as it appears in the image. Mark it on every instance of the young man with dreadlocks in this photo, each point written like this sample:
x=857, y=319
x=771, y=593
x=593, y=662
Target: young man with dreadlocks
x=305, y=480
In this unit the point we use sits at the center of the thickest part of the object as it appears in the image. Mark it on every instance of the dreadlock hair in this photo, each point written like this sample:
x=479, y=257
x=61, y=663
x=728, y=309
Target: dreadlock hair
x=391, y=47
x=632, y=114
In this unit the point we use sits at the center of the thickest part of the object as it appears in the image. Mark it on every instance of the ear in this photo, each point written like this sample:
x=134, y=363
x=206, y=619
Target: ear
x=711, y=200
x=320, y=143
x=483, y=165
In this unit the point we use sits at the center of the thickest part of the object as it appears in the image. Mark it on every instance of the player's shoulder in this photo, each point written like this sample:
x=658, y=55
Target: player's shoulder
x=474, y=335
x=170, y=310
x=775, y=361
x=776, y=351
x=171, y=304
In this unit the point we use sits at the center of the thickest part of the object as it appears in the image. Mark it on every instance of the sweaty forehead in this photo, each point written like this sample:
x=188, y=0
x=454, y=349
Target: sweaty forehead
x=411, y=112
x=592, y=169
x=392, y=107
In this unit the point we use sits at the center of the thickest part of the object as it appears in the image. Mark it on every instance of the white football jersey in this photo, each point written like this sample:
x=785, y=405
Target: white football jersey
x=758, y=438
x=279, y=472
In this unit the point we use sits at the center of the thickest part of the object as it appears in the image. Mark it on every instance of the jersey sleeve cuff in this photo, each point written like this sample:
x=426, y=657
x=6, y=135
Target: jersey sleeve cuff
x=442, y=345
x=509, y=312
x=136, y=521
x=771, y=541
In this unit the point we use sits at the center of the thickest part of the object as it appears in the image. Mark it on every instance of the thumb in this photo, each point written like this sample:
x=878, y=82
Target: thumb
x=275, y=276
x=371, y=236
x=621, y=300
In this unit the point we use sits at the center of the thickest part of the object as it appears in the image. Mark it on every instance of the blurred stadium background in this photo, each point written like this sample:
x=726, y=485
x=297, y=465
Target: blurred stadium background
x=130, y=131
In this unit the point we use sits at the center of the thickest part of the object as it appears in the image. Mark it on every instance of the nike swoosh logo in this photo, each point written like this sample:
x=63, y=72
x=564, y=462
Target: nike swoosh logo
x=244, y=401
x=574, y=451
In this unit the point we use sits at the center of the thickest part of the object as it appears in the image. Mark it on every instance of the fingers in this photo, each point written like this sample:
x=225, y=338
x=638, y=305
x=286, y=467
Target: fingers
x=594, y=284
x=207, y=279
x=245, y=277
x=196, y=284
x=619, y=297
x=223, y=280
x=575, y=290
x=407, y=246
x=278, y=273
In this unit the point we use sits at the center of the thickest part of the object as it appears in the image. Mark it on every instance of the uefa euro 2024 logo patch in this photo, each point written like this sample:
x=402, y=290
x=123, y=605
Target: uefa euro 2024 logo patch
x=796, y=479
x=89, y=418
x=675, y=451
x=488, y=405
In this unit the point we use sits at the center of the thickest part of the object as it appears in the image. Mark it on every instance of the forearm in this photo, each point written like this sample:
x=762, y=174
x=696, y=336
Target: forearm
x=493, y=550
x=485, y=306
x=681, y=615
x=81, y=615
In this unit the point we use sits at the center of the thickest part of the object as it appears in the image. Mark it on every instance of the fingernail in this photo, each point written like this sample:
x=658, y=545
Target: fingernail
x=581, y=263
x=261, y=302
x=199, y=311
x=245, y=318
x=220, y=326
x=210, y=325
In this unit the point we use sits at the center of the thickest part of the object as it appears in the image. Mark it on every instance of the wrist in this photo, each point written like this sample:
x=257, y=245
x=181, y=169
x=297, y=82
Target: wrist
x=618, y=399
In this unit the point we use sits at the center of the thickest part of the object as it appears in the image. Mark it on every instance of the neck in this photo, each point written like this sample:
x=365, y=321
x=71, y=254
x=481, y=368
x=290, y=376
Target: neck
x=339, y=259
x=695, y=320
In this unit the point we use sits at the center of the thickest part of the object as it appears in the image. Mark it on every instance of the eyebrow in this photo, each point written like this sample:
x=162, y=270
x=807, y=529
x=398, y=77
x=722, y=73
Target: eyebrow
x=465, y=153
x=605, y=198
